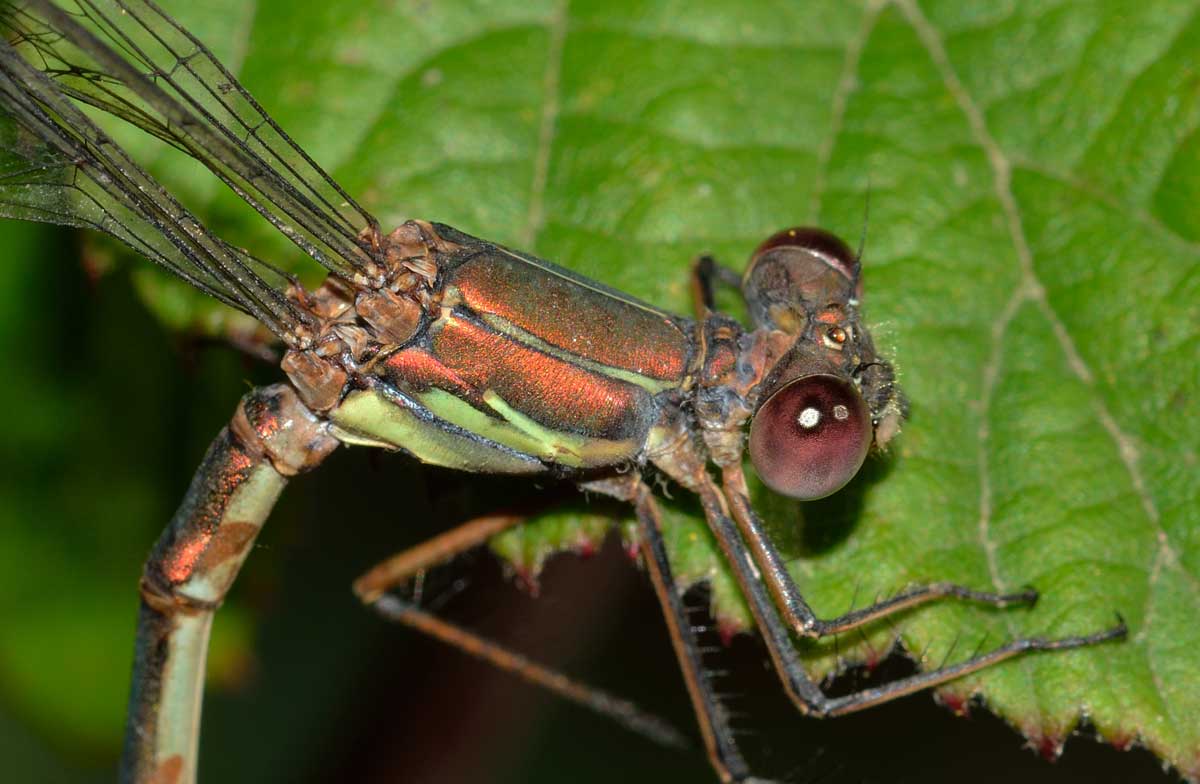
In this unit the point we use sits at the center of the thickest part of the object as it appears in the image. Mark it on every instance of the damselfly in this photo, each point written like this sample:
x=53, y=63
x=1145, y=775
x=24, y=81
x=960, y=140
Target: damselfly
x=458, y=351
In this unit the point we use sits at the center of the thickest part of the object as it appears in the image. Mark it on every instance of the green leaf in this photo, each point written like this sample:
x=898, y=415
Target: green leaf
x=1032, y=267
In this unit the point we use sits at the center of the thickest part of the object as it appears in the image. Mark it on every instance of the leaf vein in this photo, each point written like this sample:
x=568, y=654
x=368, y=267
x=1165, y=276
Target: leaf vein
x=536, y=217
x=1138, y=215
x=991, y=375
x=1117, y=114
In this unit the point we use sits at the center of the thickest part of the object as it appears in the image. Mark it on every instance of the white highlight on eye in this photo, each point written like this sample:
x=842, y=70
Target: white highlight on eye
x=809, y=418
x=841, y=413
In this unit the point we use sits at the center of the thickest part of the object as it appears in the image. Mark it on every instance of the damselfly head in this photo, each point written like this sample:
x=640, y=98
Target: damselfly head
x=825, y=402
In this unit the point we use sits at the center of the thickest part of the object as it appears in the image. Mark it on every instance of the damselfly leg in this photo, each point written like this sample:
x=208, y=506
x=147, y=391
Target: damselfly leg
x=685, y=465
x=377, y=589
x=712, y=718
x=711, y=715
x=798, y=614
x=409, y=564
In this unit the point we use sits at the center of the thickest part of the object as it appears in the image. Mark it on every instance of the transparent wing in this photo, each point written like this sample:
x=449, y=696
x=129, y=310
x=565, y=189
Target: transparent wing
x=130, y=59
x=57, y=166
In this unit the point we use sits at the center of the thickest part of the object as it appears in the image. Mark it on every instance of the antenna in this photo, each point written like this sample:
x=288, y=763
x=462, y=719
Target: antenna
x=862, y=239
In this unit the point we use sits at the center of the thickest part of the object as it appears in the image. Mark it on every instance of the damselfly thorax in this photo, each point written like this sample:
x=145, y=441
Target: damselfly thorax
x=473, y=356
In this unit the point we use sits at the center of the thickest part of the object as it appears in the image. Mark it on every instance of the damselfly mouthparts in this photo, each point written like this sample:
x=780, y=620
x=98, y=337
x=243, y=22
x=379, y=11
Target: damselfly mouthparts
x=458, y=351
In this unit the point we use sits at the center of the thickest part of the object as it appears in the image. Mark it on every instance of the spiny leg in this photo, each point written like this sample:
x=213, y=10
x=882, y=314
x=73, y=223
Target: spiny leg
x=406, y=565
x=621, y=710
x=272, y=436
x=688, y=468
x=797, y=612
x=718, y=736
x=372, y=589
x=706, y=273
x=866, y=698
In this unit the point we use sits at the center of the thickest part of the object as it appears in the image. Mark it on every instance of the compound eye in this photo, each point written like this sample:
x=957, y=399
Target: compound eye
x=818, y=243
x=810, y=437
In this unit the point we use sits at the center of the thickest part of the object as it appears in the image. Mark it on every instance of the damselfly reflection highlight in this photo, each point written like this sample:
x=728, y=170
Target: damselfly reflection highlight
x=460, y=352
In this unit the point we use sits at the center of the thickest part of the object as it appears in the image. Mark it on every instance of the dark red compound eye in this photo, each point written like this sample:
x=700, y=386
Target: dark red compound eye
x=810, y=438
x=818, y=243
